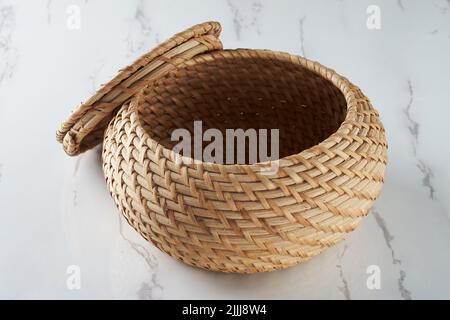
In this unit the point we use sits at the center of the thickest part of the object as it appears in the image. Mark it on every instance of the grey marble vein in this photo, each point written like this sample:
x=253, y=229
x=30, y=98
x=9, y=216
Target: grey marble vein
x=427, y=176
x=413, y=126
x=345, y=287
x=302, y=36
x=141, y=20
x=442, y=10
x=400, y=5
x=8, y=54
x=139, y=249
x=147, y=288
x=141, y=16
x=147, y=291
x=248, y=19
x=237, y=19
x=49, y=11
x=386, y=234
x=256, y=10
x=405, y=293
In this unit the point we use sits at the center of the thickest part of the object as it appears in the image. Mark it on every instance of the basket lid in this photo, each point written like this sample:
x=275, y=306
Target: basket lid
x=85, y=126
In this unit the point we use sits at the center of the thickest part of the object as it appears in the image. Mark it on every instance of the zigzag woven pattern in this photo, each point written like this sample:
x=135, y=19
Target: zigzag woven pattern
x=232, y=217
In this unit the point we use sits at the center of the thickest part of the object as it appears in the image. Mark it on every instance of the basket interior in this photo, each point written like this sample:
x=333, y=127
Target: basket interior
x=232, y=92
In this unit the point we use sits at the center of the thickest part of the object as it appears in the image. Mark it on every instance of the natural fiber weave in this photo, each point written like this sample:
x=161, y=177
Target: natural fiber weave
x=231, y=217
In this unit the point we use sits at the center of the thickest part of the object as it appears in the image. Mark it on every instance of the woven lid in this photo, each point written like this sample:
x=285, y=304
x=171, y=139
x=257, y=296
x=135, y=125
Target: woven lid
x=85, y=126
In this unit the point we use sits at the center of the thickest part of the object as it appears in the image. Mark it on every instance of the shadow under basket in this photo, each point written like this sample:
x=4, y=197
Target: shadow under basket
x=237, y=216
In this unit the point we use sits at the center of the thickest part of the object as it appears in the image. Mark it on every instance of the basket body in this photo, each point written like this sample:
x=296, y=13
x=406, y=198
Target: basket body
x=232, y=218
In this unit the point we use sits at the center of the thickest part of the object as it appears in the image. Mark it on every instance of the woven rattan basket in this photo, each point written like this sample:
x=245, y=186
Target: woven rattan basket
x=232, y=217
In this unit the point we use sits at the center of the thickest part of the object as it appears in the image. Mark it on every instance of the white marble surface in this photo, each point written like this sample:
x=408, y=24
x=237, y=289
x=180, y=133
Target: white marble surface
x=55, y=211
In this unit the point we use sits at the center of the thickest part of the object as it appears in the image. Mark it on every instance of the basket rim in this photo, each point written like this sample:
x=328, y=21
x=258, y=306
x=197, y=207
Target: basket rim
x=351, y=93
